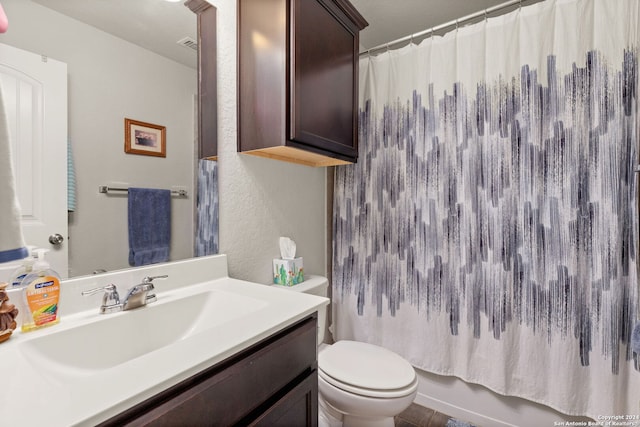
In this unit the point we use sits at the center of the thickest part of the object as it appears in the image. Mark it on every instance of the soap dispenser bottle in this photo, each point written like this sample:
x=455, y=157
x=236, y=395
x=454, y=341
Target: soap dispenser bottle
x=21, y=272
x=41, y=294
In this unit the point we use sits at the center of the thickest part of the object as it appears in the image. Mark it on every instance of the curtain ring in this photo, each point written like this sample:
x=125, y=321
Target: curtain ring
x=485, y=15
x=456, y=25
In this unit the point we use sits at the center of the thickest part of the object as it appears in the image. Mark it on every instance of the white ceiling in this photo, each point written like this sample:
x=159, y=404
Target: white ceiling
x=157, y=25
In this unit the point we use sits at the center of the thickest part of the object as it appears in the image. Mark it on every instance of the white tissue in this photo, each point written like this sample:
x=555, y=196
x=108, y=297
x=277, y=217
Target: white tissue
x=287, y=248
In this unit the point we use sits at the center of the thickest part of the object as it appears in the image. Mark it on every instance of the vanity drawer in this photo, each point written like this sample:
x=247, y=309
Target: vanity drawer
x=275, y=378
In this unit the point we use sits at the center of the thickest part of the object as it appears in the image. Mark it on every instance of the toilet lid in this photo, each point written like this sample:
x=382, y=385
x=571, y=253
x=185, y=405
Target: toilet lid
x=366, y=366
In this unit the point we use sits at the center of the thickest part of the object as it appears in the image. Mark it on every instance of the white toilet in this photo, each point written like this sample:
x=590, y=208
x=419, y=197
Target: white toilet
x=359, y=384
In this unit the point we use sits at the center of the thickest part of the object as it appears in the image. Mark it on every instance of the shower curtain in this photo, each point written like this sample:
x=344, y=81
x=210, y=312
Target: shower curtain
x=489, y=230
x=207, y=209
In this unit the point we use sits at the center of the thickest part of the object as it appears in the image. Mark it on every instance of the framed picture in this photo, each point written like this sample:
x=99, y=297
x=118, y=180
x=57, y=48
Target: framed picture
x=144, y=138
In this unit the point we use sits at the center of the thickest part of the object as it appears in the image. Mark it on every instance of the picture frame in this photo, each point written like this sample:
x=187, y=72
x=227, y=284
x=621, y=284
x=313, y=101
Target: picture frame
x=144, y=138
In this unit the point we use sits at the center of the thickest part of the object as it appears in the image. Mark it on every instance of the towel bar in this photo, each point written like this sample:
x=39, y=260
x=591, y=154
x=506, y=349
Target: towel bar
x=106, y=189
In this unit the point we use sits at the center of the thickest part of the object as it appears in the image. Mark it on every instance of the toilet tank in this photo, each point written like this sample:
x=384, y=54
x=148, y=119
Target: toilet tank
x=314, y=285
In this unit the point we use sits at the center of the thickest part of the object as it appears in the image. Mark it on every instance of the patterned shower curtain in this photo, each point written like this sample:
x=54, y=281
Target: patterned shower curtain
x=207, y=209
x=490, y=227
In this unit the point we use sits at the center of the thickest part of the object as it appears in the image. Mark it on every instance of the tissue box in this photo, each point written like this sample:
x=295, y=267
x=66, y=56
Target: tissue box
x=288, y=272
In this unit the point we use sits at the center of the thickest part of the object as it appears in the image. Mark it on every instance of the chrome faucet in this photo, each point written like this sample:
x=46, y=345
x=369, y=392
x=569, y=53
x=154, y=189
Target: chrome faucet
x=110, y=299
x=139, y=295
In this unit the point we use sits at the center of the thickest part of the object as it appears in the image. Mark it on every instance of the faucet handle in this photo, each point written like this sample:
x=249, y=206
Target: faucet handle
x=149, y=279
x=110, y=293
x=110, y=299
x=148, y=286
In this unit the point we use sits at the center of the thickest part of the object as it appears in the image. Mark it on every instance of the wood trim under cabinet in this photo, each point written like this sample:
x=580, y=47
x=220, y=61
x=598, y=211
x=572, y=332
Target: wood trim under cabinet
x=298, y=156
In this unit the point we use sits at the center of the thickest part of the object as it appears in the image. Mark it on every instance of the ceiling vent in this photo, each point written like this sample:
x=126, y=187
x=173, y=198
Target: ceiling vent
x=189, y=43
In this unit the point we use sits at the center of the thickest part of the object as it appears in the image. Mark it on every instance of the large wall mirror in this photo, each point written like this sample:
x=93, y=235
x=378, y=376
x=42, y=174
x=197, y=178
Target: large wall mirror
x=125, y=59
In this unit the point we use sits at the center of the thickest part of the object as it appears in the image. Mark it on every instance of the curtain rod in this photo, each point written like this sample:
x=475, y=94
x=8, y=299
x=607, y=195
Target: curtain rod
x=455, y=22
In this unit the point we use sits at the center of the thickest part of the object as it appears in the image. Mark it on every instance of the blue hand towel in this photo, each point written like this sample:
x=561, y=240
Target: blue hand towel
x=149, y=226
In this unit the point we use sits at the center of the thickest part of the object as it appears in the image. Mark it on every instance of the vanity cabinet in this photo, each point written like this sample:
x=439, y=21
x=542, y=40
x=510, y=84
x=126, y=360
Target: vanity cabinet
x=298, y=80
x=272, y=383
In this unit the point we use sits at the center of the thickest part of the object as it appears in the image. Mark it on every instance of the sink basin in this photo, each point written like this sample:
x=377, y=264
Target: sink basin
x=118, y=338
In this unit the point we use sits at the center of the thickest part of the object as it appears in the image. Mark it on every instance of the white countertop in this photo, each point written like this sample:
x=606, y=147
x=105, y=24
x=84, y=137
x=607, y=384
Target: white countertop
x=37, y=393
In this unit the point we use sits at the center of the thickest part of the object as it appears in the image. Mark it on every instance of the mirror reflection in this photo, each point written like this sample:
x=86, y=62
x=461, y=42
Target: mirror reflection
x=110, y=79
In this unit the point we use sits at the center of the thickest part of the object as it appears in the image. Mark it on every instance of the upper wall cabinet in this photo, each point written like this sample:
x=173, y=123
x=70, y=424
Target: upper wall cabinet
x=298, y=80
x=207, y=86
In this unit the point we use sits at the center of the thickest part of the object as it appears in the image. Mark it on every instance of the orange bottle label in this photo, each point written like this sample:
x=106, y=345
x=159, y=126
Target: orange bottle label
x=42, y=298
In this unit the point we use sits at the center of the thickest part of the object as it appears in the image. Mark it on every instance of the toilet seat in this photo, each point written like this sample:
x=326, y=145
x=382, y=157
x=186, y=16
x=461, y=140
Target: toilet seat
x=366, y=370
x=365, y=392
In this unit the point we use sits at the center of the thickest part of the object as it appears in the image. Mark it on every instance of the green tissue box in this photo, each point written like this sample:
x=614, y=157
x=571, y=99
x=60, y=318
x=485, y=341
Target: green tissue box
x=288, y=272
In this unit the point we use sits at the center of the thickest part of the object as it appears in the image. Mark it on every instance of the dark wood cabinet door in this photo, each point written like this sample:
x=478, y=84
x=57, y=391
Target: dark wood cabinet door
x=207, y=80
x=323, y=100
x=299, y=407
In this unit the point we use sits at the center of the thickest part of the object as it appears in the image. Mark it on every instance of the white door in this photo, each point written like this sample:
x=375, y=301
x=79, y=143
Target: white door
x=35, y=91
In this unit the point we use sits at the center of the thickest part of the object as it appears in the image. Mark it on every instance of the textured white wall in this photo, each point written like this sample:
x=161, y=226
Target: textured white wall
x=110, y=79
x=261, y=199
